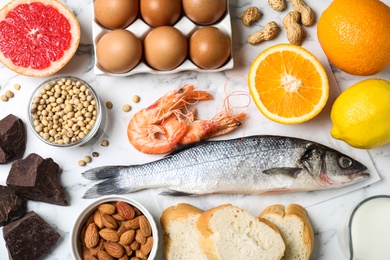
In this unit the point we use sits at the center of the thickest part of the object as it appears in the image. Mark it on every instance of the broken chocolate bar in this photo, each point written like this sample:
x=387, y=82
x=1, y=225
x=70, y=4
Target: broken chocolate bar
x=35, y=178
x=11, y=206
x=13, y=138
x=29, y=237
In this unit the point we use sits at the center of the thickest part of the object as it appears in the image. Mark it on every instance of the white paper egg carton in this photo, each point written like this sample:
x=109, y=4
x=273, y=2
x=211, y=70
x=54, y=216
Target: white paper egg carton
x=141, y=29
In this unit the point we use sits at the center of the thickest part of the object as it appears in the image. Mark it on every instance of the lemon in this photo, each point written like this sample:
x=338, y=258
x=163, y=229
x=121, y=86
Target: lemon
x=361, y=114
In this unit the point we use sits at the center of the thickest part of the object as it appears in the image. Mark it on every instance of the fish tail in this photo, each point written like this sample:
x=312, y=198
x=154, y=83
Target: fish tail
x=104, y=172
x=107, y=187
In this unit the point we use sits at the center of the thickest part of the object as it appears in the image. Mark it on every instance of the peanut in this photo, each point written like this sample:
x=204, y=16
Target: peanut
x=277, y=5
x=250, y=15
x=307, y=14
x=291, y=23
x=269, y=32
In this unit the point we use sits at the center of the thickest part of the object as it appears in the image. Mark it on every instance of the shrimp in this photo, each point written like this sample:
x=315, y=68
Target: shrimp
x=144, y=130
x=198, y=130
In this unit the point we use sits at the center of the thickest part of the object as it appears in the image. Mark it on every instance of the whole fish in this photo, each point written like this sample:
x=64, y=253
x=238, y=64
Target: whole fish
x=247, y=165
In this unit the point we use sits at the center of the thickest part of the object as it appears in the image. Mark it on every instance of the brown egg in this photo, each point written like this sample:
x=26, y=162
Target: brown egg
x=204, y=11
x=118, y=51
x=165, y=48
x=160, y=12
x=115, y=14
x=209, y=47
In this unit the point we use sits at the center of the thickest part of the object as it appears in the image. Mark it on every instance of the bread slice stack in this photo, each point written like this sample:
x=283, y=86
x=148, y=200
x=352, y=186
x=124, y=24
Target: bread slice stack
x=294, y=225
x=228, y=232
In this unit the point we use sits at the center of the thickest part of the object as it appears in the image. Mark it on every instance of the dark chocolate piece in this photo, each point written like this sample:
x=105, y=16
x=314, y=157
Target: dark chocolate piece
x=29, y=237
x=13, y=138
x=35, y=178
x=11, y=206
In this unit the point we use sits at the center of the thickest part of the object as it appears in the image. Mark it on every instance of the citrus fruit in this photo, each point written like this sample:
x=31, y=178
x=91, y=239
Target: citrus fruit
x=288, y=84
x=354, y=35
x=361, y=114
x=37, y=38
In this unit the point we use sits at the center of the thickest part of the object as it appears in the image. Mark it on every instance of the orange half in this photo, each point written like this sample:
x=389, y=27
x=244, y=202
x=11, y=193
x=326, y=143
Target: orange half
x=288, y=84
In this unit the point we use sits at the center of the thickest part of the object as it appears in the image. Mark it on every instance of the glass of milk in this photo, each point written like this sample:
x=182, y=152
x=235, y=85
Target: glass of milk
x=364, y=231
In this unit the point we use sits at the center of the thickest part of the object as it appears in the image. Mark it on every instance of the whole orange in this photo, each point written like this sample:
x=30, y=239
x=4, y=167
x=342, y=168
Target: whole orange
x=354, y=35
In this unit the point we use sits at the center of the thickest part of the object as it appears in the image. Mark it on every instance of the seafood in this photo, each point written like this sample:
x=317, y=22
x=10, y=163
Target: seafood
x=144, y=127
x=247, y=165
x=165, y=118
x=198, y=130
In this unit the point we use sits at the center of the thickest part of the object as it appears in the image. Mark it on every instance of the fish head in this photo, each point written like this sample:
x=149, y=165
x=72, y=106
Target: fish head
x=329, y=167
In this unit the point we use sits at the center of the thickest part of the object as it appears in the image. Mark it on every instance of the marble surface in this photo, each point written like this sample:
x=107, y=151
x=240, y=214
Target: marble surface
x=326, y=209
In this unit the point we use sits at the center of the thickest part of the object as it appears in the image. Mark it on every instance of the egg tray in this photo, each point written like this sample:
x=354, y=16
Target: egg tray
x=140, y=29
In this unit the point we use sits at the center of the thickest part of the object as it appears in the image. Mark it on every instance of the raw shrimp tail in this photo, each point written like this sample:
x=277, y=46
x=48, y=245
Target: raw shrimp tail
x=103, y=172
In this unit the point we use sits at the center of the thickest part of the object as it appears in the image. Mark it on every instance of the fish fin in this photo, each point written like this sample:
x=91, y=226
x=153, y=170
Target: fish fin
x=289, y=171
x=175, y=193
x=103, y=172
x=107, y=187
x=184, y=147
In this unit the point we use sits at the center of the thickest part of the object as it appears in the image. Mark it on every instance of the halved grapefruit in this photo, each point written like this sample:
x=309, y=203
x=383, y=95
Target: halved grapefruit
x=37, y=37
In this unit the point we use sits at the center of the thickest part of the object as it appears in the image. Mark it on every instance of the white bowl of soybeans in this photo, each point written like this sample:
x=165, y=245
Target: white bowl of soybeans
x=65, y=111
x=114, y=227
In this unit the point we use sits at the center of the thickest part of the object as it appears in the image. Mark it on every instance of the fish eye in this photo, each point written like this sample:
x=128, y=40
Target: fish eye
x=345, y=162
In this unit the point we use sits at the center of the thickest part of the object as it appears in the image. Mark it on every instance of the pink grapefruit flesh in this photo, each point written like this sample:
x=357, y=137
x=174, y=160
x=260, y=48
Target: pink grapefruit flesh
x=37, y=37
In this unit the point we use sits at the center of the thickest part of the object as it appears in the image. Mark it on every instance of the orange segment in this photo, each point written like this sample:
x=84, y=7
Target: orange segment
x=288, y=84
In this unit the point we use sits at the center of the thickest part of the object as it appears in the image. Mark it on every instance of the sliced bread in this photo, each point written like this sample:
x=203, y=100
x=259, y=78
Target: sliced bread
x=180, y=232
x=294, y=226
x=228, y=232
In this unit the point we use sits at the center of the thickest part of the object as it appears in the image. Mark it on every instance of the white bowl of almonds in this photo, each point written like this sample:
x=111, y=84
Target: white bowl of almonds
x=65, y=111
x=114, y=227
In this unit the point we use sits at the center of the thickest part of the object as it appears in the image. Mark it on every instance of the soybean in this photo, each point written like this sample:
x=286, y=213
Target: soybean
x=64, y=111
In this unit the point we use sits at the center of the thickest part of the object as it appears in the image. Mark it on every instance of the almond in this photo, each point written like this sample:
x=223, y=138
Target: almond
x=139, y=254
x=139, y=237
x=103, y=255
x=134, y=245
x=125, y=210
x=94, y=251
x=135, y=258
x=127, y=237
x=118, y=217
x=107, y=208
x=144, y=226
x=128, y=250
x=147, y=247
x=124, y=257
x=122, y=229
x=97, y=218
x=133, y=223
x=91, y=238
x=137, y=211
x=114, y=249
x=87, y=255
x=109, y=234
x=109, y=222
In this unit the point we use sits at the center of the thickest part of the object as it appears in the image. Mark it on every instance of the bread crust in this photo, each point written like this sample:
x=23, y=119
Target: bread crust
x=179, y=211
x=299, y=212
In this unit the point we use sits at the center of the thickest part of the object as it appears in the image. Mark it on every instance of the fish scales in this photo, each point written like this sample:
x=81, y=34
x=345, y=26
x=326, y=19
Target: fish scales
x=249, y=165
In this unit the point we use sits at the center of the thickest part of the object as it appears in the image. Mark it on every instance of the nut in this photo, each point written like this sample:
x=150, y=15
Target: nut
x=250, y=15
x=116, y=231
x=91, y=238
x=144, y=226
x=127, y=237
x=307, y=14
x=109, y=234
x=103, y=255
x=97, y=218
x=125, y=210
x=277, y=5
x=114, y=249
x=291, y=23
x=147, y=247
x=109, y=222
x=107, y=209
x=269, y=32
x=132, y=223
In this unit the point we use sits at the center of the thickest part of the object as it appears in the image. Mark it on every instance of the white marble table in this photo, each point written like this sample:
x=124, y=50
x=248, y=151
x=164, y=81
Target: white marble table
x=325, y=212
